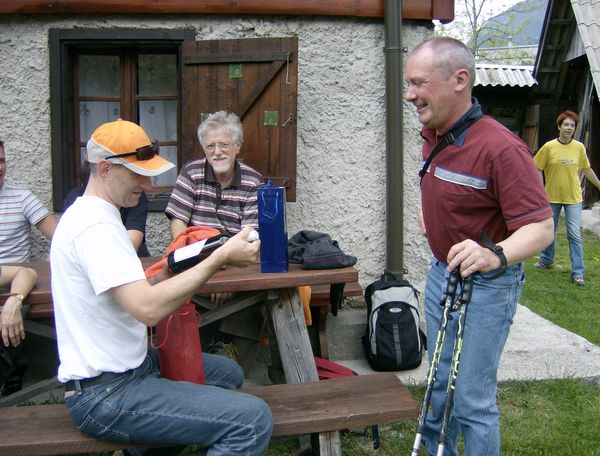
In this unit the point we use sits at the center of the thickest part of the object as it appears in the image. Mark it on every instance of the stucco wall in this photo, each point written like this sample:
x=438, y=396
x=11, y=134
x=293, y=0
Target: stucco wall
x=341, y=123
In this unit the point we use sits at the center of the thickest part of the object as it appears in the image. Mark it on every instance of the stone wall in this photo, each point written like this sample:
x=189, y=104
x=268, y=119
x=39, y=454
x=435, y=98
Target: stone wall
x=341, y=122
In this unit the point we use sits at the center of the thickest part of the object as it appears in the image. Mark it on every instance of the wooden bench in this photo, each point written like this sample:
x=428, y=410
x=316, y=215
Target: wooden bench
x=319, y=309
x=303, y=408
x=40, y=321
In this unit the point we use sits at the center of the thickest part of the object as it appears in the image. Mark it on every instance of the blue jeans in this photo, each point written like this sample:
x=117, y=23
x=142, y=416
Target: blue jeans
x=573, y=219
x=140, y=406
x=475, y=414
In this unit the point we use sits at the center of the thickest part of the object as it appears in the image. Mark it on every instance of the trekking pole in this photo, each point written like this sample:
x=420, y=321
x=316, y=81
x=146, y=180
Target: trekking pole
x=435, y=359
x=463, y=302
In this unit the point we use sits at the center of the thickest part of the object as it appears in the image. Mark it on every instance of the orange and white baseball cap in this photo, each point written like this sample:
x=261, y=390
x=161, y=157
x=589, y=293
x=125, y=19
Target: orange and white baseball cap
x=120, y=137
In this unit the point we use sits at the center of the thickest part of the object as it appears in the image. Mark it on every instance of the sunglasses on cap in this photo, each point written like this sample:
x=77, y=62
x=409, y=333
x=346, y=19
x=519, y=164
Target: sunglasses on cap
x=141, y=153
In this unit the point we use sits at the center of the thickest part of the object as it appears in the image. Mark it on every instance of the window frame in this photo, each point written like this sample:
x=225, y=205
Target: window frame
x=62, y=43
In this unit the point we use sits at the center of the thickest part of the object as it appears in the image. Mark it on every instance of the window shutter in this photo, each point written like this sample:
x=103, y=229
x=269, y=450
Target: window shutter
x=257, y=79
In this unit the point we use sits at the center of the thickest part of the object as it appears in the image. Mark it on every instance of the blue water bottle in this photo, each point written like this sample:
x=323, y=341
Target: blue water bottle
x=272, y=228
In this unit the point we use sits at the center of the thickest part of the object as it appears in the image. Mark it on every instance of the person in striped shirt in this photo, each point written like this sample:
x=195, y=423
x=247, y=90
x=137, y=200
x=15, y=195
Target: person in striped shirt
x=19, y=209
x=216, y=191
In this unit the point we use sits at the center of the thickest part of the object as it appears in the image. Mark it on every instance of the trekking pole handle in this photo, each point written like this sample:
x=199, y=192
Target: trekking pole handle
x=452, y=283
x=467, y=290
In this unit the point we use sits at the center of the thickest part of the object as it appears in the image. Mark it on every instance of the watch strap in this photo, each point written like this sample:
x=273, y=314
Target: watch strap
x=497, y=249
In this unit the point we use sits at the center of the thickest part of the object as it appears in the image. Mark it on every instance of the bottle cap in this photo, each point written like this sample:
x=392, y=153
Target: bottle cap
x=253, y=236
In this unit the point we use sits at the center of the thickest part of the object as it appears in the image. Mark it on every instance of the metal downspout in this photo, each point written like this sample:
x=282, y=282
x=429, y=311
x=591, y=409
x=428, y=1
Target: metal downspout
x=394, y=137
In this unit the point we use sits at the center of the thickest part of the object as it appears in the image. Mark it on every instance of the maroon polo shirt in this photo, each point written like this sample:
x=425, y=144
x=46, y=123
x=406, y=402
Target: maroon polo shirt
x=485, y=181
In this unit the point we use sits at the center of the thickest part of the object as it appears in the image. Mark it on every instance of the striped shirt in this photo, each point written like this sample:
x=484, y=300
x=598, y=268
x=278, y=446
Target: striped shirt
x=198, y=199
x=19, y=209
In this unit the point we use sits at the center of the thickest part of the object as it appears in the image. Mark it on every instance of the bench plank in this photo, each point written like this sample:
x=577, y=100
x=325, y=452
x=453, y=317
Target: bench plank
x=297, y=409
x=45, y=430
x=337, y=404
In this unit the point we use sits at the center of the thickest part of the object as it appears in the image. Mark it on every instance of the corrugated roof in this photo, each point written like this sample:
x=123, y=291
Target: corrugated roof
x=504, y=75
x=587, y=15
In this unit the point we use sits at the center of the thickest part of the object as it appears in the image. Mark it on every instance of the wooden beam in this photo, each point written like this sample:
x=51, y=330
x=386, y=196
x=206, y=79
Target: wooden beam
x=235, y=304
x=237, y=58
x=560, y=22
x=411, y=9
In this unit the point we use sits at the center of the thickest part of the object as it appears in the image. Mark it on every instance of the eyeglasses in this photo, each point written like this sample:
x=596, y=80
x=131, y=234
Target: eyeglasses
x=141, y=153
x=212, y=147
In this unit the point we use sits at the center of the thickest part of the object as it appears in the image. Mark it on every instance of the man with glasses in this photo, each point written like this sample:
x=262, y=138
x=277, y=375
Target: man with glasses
x=103, y=304
x=220, y=192
x=484, y=211
x=216, y=191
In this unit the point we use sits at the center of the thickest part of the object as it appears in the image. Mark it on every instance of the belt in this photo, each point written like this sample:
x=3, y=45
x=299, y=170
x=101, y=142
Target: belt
x=104, y=377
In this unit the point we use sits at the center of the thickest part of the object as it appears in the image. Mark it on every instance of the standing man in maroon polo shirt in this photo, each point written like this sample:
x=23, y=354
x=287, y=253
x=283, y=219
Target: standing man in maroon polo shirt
x=484, y=185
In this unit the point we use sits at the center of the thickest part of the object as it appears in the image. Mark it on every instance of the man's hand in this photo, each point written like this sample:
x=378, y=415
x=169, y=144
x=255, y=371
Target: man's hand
x=471, y=257
x=11, y=323
x=220, y=299
x=238, y=251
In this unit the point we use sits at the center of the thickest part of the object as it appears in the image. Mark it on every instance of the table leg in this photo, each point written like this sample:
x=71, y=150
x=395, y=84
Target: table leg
x=293, y=342
x=297, y=359
x=330, y=443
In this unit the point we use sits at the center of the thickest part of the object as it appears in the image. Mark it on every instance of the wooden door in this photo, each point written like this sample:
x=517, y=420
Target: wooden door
x=257, y=79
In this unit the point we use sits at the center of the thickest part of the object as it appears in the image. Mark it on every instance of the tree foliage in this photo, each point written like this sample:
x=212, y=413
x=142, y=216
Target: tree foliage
x=496, y=32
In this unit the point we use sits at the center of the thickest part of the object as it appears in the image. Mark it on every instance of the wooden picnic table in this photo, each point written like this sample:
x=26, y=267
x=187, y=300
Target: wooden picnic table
x=230, y=279
x=282, y=302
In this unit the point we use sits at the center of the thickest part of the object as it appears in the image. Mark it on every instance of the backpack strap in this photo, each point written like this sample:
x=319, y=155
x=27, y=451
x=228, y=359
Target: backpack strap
x=423, y=339
x=448, y=139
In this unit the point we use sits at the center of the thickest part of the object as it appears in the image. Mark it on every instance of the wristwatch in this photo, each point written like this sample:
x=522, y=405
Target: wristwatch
x=19, y=296
x=498, y=250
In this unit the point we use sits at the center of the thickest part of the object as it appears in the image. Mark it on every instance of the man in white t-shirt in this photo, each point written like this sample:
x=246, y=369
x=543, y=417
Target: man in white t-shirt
x=103, y=304
x=19, y=210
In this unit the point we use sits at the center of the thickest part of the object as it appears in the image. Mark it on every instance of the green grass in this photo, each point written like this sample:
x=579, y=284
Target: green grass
x=538, y=418
x=550, y=293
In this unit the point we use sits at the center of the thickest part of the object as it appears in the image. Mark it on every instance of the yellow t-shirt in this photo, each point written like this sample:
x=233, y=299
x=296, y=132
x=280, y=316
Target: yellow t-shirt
x=561, y=164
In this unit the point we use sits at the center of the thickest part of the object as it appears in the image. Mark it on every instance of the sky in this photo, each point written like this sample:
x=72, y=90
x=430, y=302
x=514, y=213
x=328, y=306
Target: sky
x=490, y=7
x=460, y=26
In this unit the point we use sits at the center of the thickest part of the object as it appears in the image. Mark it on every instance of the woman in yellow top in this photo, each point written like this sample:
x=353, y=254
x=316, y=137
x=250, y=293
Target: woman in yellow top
x=561, y=160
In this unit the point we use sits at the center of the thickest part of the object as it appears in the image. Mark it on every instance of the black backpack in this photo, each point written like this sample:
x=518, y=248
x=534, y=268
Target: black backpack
x=393, y=338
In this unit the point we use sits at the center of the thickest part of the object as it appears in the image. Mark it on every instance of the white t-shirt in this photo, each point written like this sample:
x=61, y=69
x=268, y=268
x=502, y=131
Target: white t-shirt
x=90, y=254
x=19, y=209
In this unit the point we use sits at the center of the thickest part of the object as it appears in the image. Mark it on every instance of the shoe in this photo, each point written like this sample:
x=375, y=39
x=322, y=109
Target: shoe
x=579, y=281
x=541, y=265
